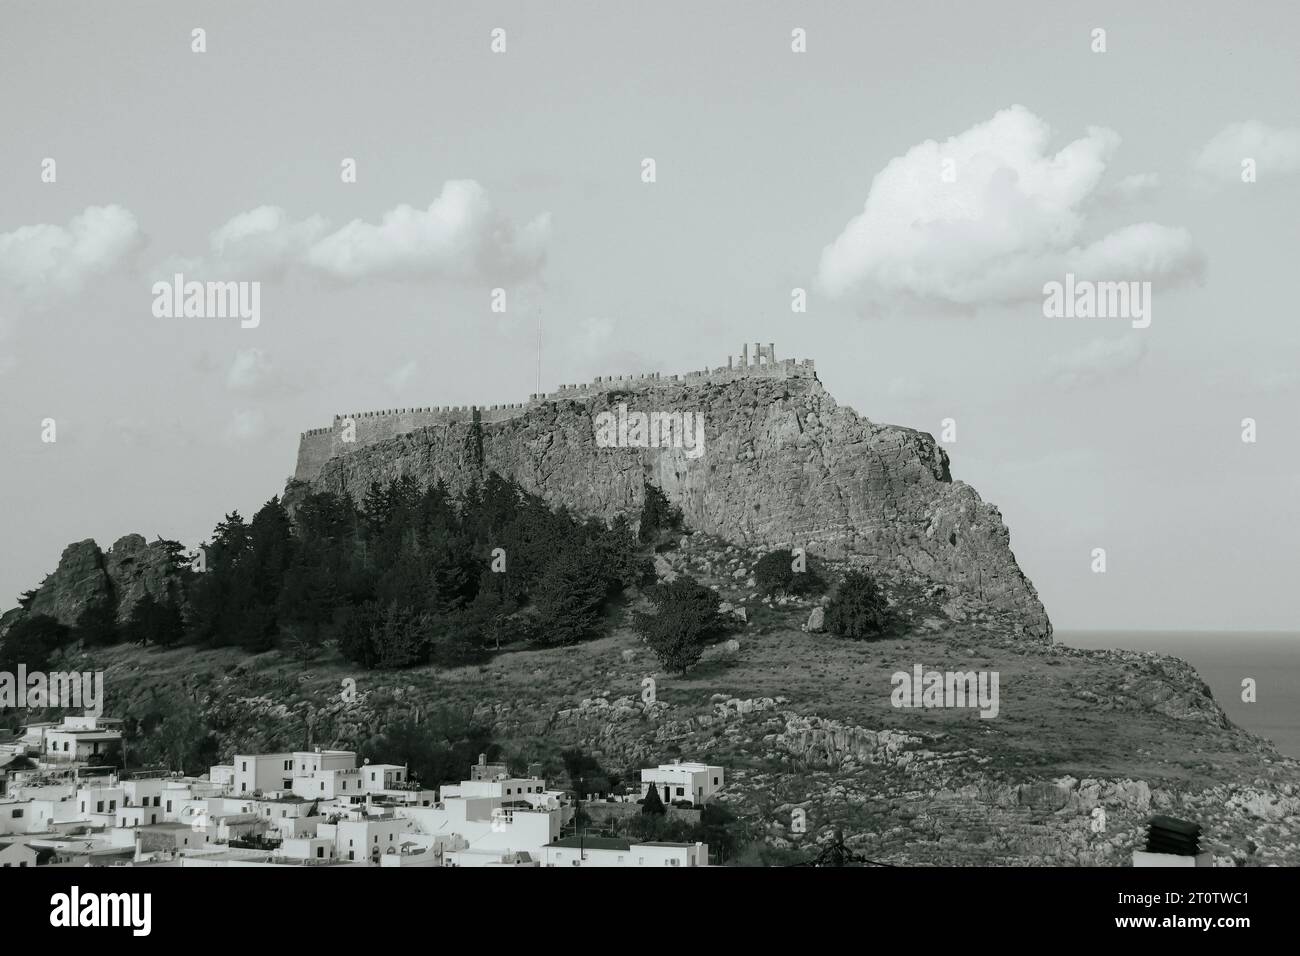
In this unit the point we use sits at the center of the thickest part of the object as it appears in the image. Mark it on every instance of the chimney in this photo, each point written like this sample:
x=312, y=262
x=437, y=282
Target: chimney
x=482, y=760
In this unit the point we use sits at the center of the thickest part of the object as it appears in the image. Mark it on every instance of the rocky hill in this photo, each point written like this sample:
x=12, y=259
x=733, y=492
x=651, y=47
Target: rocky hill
x=1086, y=747
x=87, y=575
x=783, y=465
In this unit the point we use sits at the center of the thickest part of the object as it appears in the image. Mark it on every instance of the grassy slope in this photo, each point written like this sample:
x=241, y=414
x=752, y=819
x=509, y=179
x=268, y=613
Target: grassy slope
x=1087, y=714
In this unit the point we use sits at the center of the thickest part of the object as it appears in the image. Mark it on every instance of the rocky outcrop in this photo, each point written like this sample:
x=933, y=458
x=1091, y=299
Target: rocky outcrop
x=79, y=581
x=136, y=569
x=86, y=575
x=783, y=465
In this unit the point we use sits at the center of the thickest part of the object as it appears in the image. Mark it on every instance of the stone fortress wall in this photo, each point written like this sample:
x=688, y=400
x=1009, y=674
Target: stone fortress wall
x=318, y=445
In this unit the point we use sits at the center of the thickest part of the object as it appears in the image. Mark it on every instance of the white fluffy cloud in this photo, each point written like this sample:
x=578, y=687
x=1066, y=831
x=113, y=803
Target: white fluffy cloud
x=987, y=217
x=1135, y=186
x=460, y=236
x=248, y=370
x=401, y=376
x=44, y=262
x=1274, y=150
x=245, y=425
x=1098, y=361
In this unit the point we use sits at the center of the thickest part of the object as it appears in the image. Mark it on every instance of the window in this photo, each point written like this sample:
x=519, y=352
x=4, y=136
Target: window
x=157, y=800
x=715, y=781
x=244, y=766
x=99, y=807
x=680, y=791
x=320, y=852
x=169, y=806
x=18, y=814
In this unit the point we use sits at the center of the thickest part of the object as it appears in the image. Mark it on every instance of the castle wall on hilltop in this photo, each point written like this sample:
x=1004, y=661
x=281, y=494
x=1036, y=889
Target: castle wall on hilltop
x=318, y=445
x=783, y=465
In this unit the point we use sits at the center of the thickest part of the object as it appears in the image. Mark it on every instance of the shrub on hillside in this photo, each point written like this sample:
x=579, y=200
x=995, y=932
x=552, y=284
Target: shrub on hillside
x=658, y=516
x=859, y=609
x=780, y=572
x=684, y=622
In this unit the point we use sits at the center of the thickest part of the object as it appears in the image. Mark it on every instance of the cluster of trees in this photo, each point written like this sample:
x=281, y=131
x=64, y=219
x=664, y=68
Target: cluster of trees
x=408, y=576
x=405, y=576
x=437, y=750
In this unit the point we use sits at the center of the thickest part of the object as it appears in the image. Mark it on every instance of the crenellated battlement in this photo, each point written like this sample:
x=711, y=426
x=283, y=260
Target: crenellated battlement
x=358, y=429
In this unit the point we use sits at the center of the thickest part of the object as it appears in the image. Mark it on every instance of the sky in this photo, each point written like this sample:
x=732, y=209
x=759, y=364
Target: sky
x=921, y=170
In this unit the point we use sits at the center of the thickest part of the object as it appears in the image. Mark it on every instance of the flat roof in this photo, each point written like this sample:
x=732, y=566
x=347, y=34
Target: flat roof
x=592, y=843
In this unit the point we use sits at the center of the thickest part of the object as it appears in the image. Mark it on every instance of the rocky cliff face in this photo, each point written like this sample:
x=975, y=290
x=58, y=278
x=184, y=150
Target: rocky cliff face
x=86, y=575
x=783, y=465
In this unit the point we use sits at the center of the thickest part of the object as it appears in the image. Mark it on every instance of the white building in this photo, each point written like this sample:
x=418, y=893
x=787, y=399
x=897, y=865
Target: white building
x=695, y=783
x=86, y=739
x=262, y=773
x=609, y=851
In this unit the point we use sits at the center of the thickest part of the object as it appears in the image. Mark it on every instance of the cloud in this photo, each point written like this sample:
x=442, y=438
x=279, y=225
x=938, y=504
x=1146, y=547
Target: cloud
x=401, y=377
x=1274, y=150
x=1134, y=187
x=248, y=370
x=246, y=425
x=44, y=263
x=264, y=241
x=461, y=236
x=1098, y=361
x=596, y=347
x=1011, y=218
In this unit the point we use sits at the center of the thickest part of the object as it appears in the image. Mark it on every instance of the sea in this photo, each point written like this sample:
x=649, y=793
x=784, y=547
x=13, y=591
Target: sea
x=1223, y=658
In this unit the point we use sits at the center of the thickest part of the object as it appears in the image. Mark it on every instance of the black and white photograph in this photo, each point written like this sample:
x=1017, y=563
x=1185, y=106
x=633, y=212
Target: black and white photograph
x=736, y=436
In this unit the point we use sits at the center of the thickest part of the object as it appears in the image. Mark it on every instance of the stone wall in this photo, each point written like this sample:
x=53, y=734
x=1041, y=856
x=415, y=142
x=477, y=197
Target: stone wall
x=319, y=445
